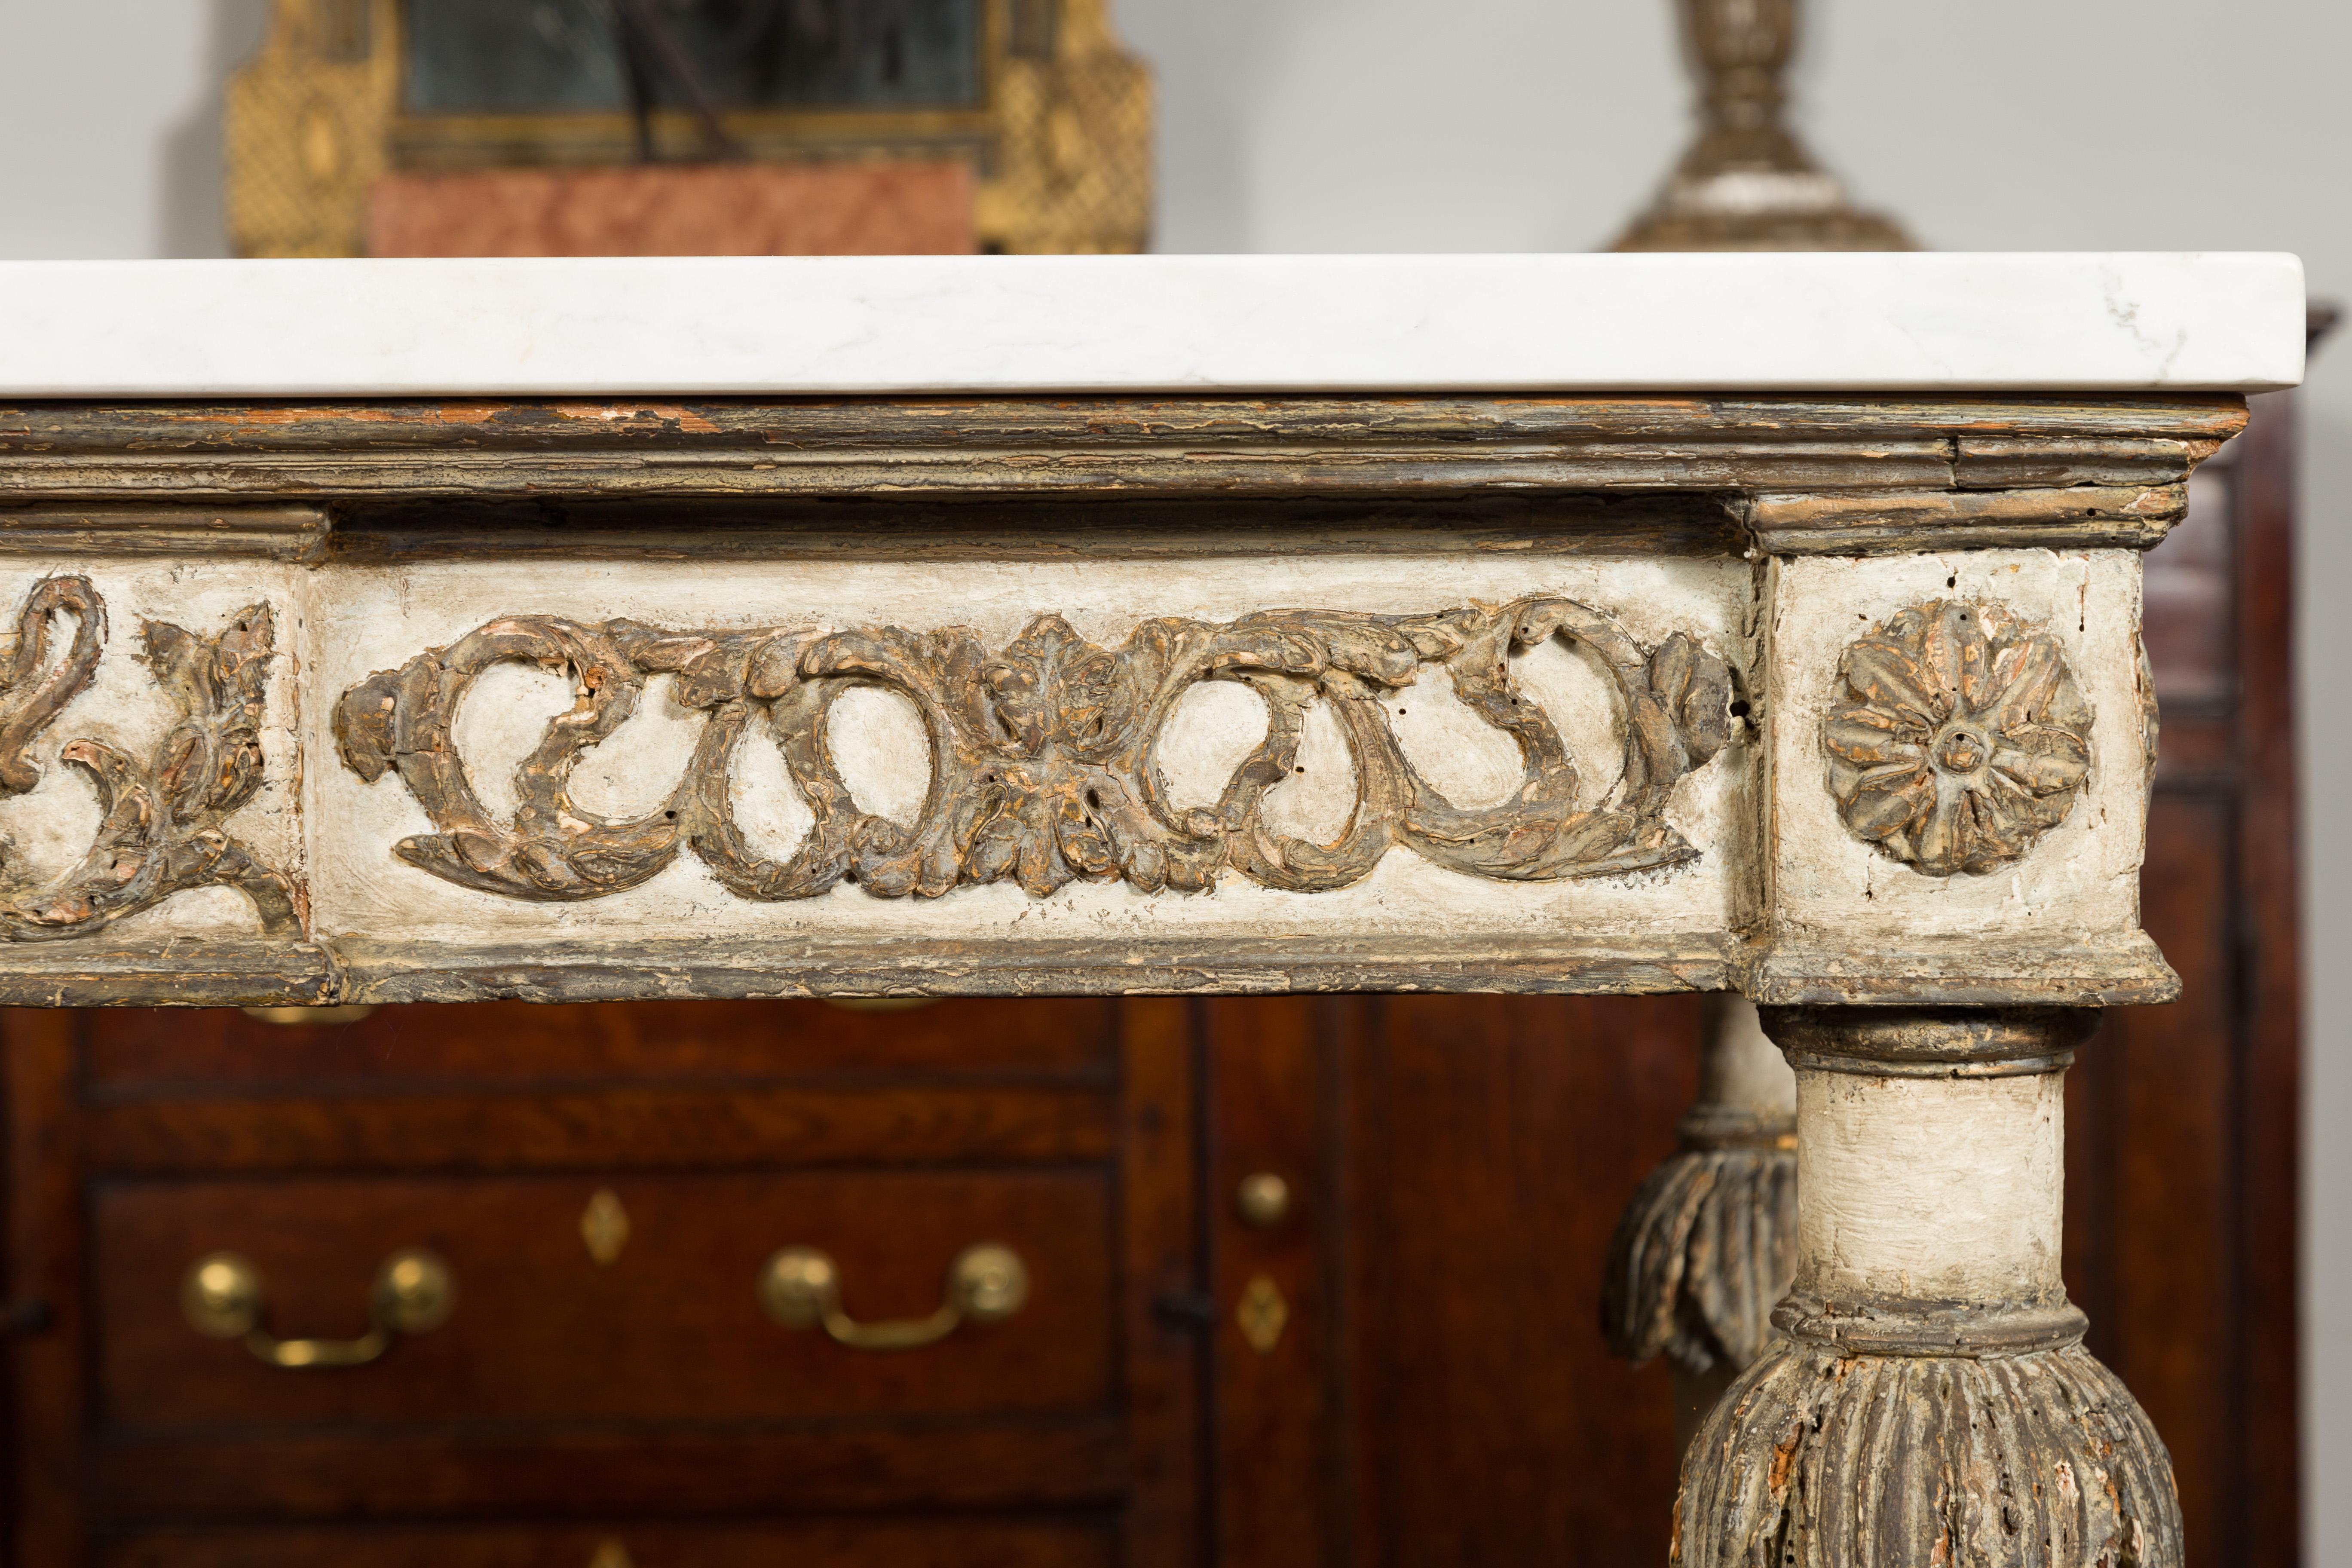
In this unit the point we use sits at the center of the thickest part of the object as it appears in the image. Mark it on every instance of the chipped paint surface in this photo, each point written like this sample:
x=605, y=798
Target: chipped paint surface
x=2081, y=875
x=170, y=769
x=1707, y=1246
x=379, y=528
x=375, y=619
x=1930, y=1402
x=1935, y=1188
x=1805, y=880
x=1814, y=1460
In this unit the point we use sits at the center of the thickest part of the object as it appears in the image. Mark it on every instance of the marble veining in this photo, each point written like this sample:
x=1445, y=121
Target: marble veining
x=1887, y=322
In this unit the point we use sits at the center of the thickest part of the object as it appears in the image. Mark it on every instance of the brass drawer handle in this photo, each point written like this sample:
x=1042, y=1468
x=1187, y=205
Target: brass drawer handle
x=413, y=1293
x=801, y=1289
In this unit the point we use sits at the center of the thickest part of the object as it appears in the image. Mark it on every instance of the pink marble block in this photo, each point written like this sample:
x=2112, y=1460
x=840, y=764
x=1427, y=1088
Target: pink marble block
x=709, y=209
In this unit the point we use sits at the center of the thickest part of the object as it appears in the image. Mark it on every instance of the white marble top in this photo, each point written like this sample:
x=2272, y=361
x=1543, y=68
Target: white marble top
x=1152, y=324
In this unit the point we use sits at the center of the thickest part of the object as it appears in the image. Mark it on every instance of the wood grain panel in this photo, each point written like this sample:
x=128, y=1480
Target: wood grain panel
x=48, y=1263
x=645, y=1127
x=217, y=1051
x=932, y=1543
x=1269, y=1065
x=2184, y=1120
x=1159, y=1203
x=2168, y=1308
x=212, y=1476
x=1495, y=1138
x=672, y=1330
x=2266, y=1512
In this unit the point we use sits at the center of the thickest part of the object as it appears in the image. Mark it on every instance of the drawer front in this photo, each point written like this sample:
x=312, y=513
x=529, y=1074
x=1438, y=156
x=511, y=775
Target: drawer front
x=929, y=1544
x=221, y=1050
x=670, y=1328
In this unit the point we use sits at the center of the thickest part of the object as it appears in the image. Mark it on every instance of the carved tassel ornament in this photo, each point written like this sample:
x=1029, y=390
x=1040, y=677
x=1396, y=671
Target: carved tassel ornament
x=1707, y=1246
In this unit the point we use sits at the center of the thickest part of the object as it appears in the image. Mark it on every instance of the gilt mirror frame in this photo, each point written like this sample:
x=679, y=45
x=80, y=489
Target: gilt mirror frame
x=1059, y=134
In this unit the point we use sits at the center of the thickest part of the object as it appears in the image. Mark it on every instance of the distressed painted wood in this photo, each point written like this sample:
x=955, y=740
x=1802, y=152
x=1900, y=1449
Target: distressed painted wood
x=1827, y=699
x=1931, y=1401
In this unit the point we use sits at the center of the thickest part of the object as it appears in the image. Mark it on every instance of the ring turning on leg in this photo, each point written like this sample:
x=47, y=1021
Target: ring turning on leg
x=1932, y=1402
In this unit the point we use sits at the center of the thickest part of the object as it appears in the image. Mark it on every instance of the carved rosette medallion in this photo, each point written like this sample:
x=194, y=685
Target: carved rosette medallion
x=1044, y=763
x=1959, y=738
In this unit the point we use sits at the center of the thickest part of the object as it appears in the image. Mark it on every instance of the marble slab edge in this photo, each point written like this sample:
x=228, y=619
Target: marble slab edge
x=2050, y=321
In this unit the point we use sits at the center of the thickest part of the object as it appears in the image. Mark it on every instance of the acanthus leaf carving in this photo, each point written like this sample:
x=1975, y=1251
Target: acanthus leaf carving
x=1043, y=765
x=161, y=828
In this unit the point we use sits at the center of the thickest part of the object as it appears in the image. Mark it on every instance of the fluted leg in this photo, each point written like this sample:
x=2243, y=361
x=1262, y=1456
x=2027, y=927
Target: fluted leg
x=1708, y=1245
x=1932, y=1403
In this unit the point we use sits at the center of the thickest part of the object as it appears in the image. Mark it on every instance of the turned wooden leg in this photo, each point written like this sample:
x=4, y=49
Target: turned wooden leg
x=1707, y=1246
x=1932, y=1402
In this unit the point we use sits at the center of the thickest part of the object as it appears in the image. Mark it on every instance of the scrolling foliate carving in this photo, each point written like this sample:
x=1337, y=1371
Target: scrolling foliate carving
x=1043, y=755
x=1959, y=738
x=160, y=821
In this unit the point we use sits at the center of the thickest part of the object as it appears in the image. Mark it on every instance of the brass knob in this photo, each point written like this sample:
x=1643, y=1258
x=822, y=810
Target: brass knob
x=221, y=1296
x=1264, y=1199
x=413, y=1293
x=800, y=1288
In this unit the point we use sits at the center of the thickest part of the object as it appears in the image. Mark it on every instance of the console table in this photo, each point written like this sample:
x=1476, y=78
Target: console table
x=433, y=631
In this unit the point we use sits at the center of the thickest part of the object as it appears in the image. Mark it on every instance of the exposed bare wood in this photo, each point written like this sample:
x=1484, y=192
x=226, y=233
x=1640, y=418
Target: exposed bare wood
x=1042, y=768
x=2083, y=516
x=1975, y=471
x=274, y=533
x=1703, y=1251
x=1815, y=1459
x=216, y=973
x=1707, y=1246
x=2123, y=970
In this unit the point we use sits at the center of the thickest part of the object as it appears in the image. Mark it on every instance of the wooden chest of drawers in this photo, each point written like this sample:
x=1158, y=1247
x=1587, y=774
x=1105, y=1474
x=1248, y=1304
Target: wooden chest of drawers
x=604, y=1187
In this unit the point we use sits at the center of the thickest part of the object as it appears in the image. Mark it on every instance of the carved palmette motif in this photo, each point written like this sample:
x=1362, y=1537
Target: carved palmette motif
x=160, y=827
x=1959, y=736
x=1042, y=755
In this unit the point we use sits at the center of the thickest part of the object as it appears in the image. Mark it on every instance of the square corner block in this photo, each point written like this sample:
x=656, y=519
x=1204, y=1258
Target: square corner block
x=1958, y=754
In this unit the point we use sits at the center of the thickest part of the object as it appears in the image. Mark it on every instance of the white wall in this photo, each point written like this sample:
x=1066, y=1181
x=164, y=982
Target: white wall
x=110, y=111
x=1540, y=124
